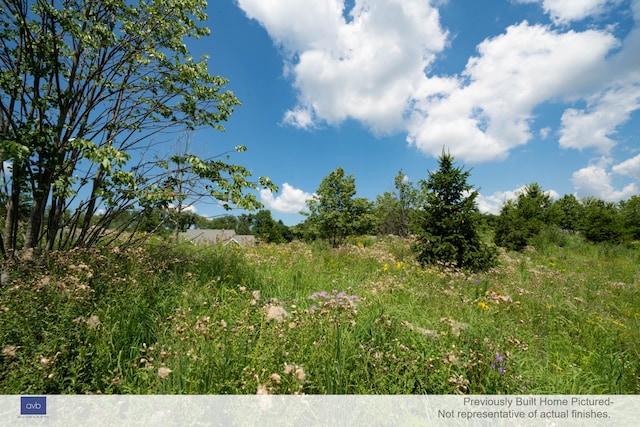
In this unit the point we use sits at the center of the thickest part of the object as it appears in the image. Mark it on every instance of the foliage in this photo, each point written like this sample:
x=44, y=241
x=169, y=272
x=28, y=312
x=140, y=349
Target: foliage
x=296, y=318
x=335, y=213
x=567, y=213
x=268, y=230
x=630, y=217
x=394, y=210
x=523, y=219
x=83, y=86
x=448, y=220
x=602, y=222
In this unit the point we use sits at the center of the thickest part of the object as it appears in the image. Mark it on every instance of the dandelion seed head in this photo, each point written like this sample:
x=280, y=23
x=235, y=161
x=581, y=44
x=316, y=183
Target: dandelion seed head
x=300, y=374
x=163, y=372
x=10, y=350
x=93, y=322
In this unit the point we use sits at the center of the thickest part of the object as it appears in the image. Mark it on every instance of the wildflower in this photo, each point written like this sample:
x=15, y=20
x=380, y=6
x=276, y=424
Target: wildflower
x=385, y=267
x=288, y=369
x=275, y=378
x=93, y=322
x=10, y=350
x=262, y=390
x=483, y=305
x=223, y=323
x=276, y=313
x=163, y=372
x=300, y=374
x=498, y=361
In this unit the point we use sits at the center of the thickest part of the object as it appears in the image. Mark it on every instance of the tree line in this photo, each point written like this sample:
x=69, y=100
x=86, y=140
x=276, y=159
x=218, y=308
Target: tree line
x=87, y=91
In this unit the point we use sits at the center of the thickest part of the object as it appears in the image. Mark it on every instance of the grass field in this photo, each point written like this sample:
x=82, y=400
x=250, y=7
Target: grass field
x=305, y=318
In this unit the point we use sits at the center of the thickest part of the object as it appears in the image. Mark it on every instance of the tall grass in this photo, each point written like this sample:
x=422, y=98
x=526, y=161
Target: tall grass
x=563, y=317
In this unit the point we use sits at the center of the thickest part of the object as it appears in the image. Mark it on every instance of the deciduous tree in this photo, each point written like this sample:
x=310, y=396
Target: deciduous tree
x=83, y=86
x=334, y=213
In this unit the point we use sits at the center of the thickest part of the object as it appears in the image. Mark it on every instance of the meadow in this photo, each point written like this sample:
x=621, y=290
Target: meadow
x=364, y=318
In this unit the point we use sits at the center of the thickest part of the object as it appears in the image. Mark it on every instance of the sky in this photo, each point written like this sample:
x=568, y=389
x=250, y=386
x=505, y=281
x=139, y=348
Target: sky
x=518, y=91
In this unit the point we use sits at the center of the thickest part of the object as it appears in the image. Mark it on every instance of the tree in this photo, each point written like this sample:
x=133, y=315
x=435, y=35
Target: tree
x=448, y=219
x=85, y=85
x=523, y=219
x=630, y=213
x=334, y=213
x=394, y=210
x=266, y=229
x=566, y=213
x=602, y=222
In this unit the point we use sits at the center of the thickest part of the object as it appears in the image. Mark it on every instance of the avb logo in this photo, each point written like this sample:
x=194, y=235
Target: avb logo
x=33, y=405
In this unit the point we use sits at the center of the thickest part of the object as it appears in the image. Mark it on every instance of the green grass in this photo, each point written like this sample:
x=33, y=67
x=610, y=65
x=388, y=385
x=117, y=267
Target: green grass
x=562, y=318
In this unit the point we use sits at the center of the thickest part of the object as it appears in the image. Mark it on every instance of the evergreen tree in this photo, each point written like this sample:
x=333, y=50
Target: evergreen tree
x=448, y=220
x=566, y=213
x=602, y=222
x=266, y=229
x=630, y=213
x=523, y=219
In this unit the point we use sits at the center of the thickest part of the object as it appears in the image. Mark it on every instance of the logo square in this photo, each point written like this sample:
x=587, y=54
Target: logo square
x=33, y=405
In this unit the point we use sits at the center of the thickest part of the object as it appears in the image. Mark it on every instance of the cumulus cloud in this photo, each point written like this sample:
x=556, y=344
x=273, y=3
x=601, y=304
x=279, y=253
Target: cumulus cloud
x=185, y=208
x=292, y=200
x=566, y=11
x=488, y=110
x=605, y=112
x=363, y=66
x=597, y=181
x=373, y=64
x=630, y=168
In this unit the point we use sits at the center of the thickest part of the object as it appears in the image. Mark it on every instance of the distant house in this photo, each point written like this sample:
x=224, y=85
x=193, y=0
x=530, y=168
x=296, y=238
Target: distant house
x=213, y=237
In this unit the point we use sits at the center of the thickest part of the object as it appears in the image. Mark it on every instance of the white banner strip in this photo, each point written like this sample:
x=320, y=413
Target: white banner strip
x=268, y=410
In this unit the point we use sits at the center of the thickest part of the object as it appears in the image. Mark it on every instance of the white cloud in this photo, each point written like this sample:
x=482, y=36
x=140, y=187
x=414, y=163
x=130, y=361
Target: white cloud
x=365, y=68
x=493, y=203
x=292, y=200
x=300, y=117
x=630, y=167
x=372, y=65
x=487, y=111
x=185, y=208
x=605, y=112
x=544, y=132
x=565, y=11
x=595, y=181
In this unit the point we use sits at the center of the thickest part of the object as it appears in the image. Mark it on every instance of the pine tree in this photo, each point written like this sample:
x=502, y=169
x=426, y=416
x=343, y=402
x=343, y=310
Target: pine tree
x=448, y=221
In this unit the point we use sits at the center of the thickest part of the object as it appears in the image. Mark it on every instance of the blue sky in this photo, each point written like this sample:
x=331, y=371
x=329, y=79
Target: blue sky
x=519, y=91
